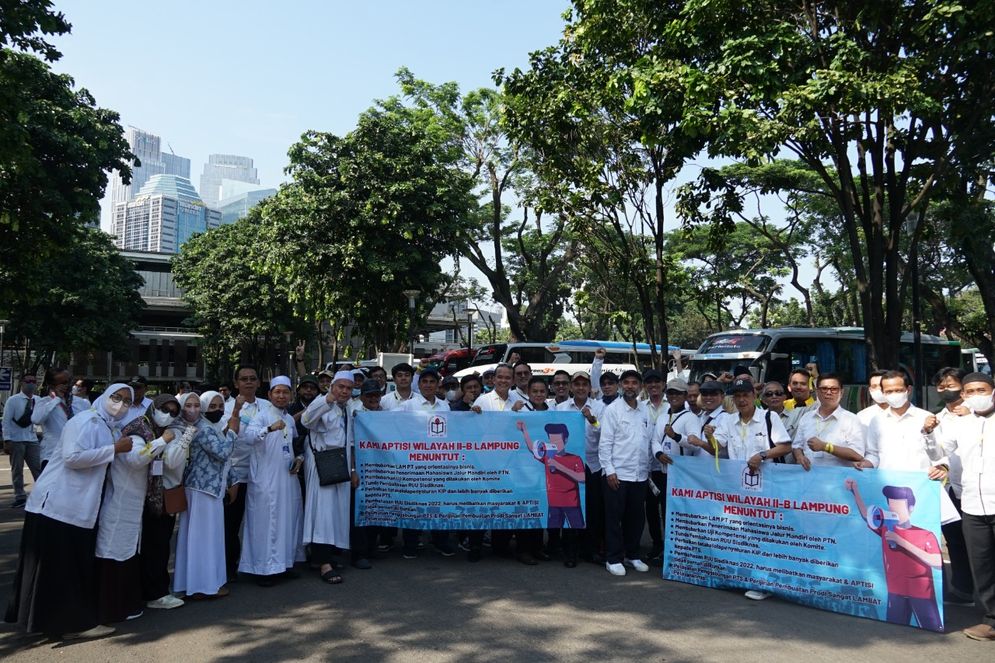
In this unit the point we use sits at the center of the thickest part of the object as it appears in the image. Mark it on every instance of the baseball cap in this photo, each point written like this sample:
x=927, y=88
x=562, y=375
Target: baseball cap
x=712, y=385
x=677, y=384
x=581, y=374
x=308, y=379
x=370, y=386
x=741, y=386
x=429, y=373
x=488, y=373
x=608, y=376
x=652, y=374
x=138, y=379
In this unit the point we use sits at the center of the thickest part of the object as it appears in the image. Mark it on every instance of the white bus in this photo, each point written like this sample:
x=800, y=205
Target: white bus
x=771, y=355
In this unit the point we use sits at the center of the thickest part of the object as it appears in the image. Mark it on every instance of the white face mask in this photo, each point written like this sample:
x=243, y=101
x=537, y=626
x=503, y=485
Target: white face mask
x=877, y=395
x=452, y=395
x=980, y=402
x=74, y=391
x=898, y=400
x=162, y=419
x=116, y=410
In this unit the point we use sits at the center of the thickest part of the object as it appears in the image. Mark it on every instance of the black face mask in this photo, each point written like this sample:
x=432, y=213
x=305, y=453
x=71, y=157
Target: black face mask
x=949, y=396
x=214, y=416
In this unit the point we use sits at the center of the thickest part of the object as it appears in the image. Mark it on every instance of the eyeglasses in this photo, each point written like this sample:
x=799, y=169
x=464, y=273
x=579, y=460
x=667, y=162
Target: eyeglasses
x=773, y=394
x=830, y=390
x=117, y=399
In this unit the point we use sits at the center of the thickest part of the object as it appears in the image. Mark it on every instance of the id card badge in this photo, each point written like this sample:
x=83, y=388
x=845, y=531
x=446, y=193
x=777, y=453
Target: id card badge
x=157, y=468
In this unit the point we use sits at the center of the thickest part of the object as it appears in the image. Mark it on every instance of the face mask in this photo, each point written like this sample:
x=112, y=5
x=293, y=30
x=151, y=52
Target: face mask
x=452, y=395
x=162, y=419
x=116, y=410
x=980, y=402
x=877, y=396
x=74, y=391
x=356, y=392
x=214, y=416
x=897, y=400
x=949, y=396
x=487, y=389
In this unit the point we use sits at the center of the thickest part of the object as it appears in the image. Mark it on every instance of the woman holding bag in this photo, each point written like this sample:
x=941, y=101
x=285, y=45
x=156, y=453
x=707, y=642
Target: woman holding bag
x=200, y=544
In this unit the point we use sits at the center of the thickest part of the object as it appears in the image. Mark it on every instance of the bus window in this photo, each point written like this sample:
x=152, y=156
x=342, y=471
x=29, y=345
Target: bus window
x=851, y=361
x=534, y=355
x=802, y=351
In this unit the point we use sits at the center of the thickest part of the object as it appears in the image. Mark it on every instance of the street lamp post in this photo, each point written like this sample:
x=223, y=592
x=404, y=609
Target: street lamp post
x=411, y=294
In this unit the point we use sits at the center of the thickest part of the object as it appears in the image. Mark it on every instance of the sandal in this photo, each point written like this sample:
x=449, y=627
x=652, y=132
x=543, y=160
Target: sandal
x=332, y=577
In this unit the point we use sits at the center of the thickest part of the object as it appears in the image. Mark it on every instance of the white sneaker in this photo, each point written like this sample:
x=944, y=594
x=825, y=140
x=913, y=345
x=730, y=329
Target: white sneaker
x=757, y=595
x=98, y=631
x=167, y=602
x=637, y=564
x=615, y=569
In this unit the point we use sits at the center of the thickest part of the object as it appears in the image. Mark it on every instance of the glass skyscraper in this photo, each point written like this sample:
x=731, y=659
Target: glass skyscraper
x=165, y=213
x=147, y=147
x=221, y=167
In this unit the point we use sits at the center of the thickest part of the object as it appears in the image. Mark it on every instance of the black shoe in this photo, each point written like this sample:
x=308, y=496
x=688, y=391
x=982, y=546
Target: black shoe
x=474, y=555
x=446, y=549
x=570, y=563
x=290, y=574
x=265, y=581
x=543, y=556
x=409, y=552
x=19, y=503
x=527, y=559
x=363, y=564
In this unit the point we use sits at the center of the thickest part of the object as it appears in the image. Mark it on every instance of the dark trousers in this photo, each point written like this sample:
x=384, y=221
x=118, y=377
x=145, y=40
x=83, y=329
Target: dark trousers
x=410, y=538
x=960, y=565
x=979, y=534
x=526, y=541
x=154, y=555
x=234, y=512
x=362, y=540
x=322, y=553
x=593, y=542
x=656, y=509
x=625, y=515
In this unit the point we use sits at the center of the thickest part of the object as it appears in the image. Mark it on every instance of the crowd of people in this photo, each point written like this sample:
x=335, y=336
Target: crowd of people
x=241, y=474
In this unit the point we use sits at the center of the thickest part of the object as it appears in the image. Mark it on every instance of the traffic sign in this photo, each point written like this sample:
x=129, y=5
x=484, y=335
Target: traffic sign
x=6, y=378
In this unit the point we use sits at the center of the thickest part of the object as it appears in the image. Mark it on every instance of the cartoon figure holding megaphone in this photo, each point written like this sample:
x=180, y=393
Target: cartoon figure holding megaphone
x=564, y=474
x=909, y=554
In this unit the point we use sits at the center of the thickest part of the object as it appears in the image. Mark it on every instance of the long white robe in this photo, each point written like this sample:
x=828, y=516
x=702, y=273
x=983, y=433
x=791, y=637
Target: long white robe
x=326, y=508
x=271, y=531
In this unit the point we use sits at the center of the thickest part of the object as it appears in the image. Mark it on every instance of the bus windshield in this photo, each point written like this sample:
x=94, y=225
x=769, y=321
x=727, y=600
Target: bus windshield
x=489, y=354
x=734, y=343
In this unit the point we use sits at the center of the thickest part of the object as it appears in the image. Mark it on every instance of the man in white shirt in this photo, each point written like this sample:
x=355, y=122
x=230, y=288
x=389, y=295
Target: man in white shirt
x=561, y=389
x=879, y=404
x=594, y=535
x=975, y=445
x=523, y=373
x=624, y=455
x=897, y=439
x=20, y=438
x=712, y=396
x=664, y=446
x=827, y=434
x=754, y=435
x=501, y=398
x=403, y=374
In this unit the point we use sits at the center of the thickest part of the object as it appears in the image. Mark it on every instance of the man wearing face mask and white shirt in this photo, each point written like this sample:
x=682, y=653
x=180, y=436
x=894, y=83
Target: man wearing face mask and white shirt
x=898, y=439
x=879, y=405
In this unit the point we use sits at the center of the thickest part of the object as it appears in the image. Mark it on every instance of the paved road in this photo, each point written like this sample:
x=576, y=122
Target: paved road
x=435, y=609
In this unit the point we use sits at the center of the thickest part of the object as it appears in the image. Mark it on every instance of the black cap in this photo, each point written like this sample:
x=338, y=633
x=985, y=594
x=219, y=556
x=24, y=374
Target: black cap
x=138, y=379
x=741, y=369
x=652, y=374
x=978, y=377
x=712, y=385
x=310, y=378
x=369, y=387
x=396, y=368
x=631, y=373
x=429, y=373
x=448, y=380
x=740, y=386
x=489, y=372
x=608, y=376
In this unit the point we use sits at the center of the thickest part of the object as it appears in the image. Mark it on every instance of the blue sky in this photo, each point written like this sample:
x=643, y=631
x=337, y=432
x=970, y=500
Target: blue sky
x=249, y=77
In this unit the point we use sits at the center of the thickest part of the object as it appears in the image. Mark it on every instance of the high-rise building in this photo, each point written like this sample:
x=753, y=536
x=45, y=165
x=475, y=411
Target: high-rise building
x=224, y=167
x=147, y=147
x=236, y=206
x=165, y=213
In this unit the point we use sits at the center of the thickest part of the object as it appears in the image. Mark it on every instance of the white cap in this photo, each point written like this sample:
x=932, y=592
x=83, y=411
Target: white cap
x=278, y=380
x=344, y=375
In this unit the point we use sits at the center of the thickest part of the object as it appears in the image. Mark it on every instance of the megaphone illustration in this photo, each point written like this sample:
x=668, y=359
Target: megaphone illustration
x=876, y=516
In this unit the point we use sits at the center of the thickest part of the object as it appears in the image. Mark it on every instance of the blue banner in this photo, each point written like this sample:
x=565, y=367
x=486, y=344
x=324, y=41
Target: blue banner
x=467, y=471
x=864, y=543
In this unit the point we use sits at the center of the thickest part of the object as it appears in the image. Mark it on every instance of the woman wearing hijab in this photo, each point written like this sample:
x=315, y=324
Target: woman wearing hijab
x=55, y=588
x=119, y=526
x=272, y=531
x=157, y=525
x=200, y=570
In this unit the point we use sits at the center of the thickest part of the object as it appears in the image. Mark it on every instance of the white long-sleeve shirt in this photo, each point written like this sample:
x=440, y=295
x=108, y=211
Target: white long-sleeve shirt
x=949, y=429
x=841, y=428
x=243, y=444
x=896, y=442
x=744, y=439
x=418, y=403
x=974, y=444
x=491, y=402
x=51, y=416
x=13, y=409
x=625, y=441
x=592, y=432
x=663, y=443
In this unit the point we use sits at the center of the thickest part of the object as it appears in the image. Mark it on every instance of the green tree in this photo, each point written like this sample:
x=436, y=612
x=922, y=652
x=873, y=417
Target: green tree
x=884, y=100
x=241, y=311
x=85, y=299
x=56, y=147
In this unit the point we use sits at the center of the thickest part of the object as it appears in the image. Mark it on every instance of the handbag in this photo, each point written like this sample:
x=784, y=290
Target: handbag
x=174, y=500
x=332, y=464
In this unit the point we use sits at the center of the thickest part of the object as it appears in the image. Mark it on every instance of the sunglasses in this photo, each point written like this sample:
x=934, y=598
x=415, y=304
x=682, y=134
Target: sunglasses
x=773, y=394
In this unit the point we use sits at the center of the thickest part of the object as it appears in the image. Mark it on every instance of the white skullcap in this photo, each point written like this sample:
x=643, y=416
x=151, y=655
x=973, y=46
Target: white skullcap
x=278, y=380
x=344, y=375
